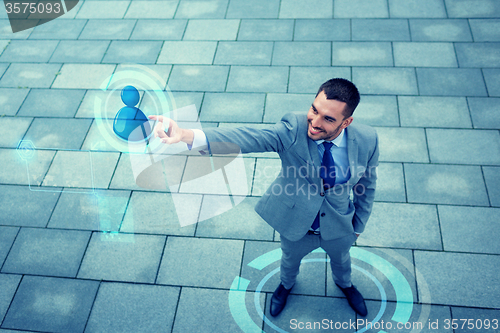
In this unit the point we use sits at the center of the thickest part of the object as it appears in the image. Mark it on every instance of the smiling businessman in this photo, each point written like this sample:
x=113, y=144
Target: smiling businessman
x=324, y=158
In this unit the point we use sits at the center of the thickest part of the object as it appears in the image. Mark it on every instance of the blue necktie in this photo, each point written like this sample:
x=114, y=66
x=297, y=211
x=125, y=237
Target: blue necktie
x=327, y=172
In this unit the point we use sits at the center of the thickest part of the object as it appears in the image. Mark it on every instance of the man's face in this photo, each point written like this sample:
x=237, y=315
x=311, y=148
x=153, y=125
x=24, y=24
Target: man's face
x=326, y=118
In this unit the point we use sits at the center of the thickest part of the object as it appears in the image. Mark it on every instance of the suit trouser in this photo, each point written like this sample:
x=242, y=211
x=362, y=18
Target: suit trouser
x=337, y=250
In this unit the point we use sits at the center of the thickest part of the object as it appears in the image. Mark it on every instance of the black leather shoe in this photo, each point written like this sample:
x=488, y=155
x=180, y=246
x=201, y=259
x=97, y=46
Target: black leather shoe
x=278, y=301
x=355, y=299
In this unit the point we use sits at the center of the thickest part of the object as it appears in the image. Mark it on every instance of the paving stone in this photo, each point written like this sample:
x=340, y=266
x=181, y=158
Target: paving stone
x=380, y=264
x=244, y=53
x=13, y=130
x=257, y=79
x=58, y=29
x=7, y=236
x=122, y=257
x=108, y=29
x=29, y=51
x=445, y=184
x=240, y=222
x=440, y=30
x=152, y=9
x=11, y=100
x=159, y=29
x=491, y=77
x=385, y=81
x=360, y=9
x=100, y=210
x=9, y=283
x=309, y=9
x=377, y=111
x=211, y=29
x=310, y=309
x=218, y=259
x=485, y=30
x=111, y=99
x=51, y=304
x=162, y=213
x=309, y=79
x=239, y=170
x=40, y=203
x=50, y=252
x=58, y=132
x=460, y=235
x=210, y=309
x=277, y=105
x=140, y=52
x=184, y=52
x=27, y=171
x=492, y=178
x=29, y=75
x=434, y=111
x=472, y=8
x=232, y=107
x=302, y=53
x=459, y=146
x=256, y=249
x=198, y=78
x=160, y=73
x=103, y=9
x=75, y=169
x=6, y=31
x=123, y=177
x=267, y=30
x=183, y=99
x=402, y=144
x=266, y=171
x=215, y=9
x=422, y=315
x=380, y=30
x=402, y=225
x=80, y=51
x=322, y=30
x=417, y=8
x=449, y=275
x=424, y=55
x=479, y=318
x=390, y=183
x=478, y=54
x=362, y=54
x=451, y=82
x=52, y=103
x=83, y=76
x=255, y=9
x=133, y=308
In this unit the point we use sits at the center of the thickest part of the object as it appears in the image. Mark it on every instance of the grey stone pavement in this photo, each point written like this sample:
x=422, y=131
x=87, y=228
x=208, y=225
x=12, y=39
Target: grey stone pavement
x=83, y=248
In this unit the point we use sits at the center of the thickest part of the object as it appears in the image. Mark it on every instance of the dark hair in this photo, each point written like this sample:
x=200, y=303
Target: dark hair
x=341, y=90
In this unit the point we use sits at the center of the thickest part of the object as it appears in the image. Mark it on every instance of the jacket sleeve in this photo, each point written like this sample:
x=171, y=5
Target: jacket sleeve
x=277, y=137
x=364, y=192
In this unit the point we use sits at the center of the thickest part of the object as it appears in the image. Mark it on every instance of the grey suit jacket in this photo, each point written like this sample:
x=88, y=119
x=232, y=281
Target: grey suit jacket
x=292, y=202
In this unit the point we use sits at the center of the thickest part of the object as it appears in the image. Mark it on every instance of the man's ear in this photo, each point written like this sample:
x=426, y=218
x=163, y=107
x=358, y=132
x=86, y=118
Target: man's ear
x=346, y=122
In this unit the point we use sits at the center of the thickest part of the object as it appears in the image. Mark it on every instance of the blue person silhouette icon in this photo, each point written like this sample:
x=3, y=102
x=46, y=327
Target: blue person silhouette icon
x=130, y=123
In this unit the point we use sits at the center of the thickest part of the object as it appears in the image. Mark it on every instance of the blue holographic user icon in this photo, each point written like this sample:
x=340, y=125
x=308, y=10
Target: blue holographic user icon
x=130, y=123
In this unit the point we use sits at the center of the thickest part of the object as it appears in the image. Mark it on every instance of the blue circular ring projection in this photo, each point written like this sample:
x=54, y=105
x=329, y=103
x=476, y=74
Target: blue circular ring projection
x=404, y=294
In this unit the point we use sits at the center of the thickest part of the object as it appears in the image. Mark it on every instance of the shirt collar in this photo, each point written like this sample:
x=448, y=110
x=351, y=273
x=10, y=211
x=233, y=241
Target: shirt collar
x=337, y=141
